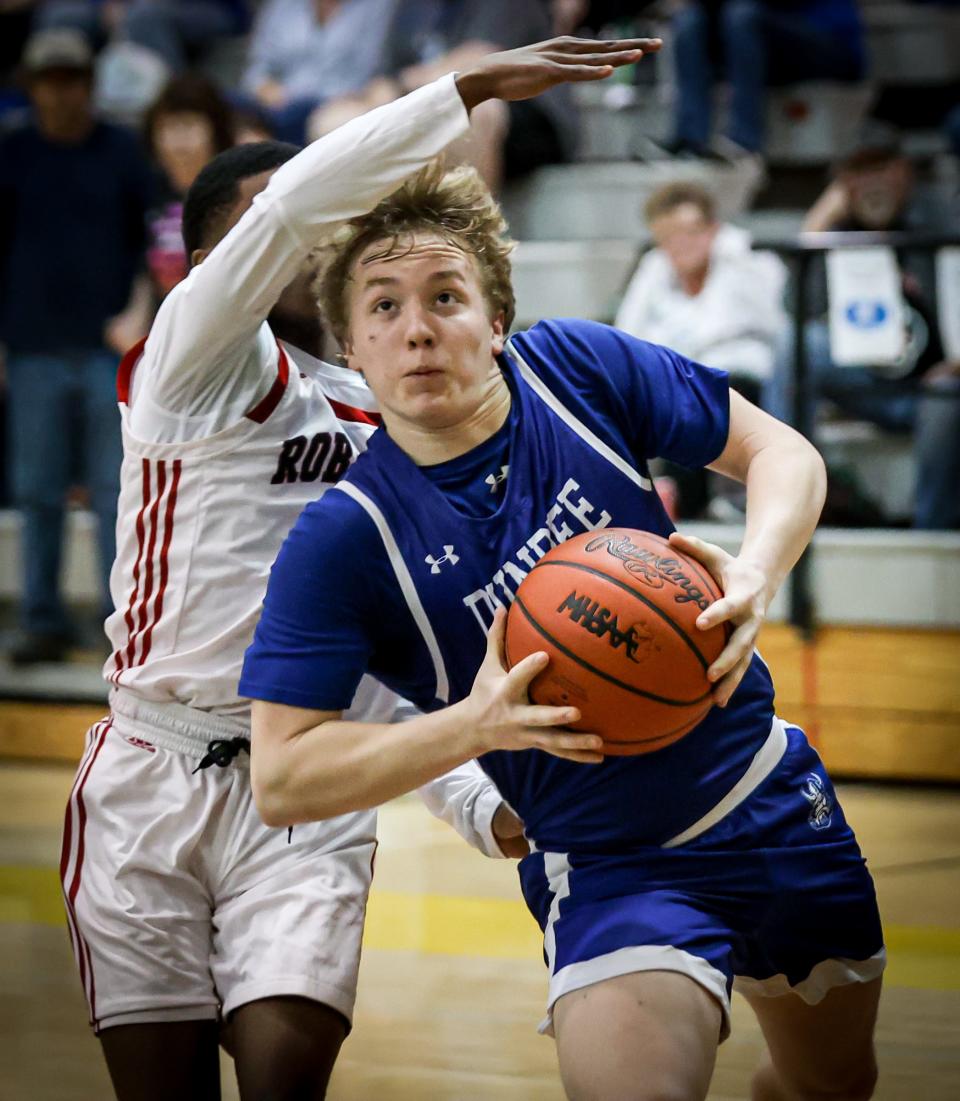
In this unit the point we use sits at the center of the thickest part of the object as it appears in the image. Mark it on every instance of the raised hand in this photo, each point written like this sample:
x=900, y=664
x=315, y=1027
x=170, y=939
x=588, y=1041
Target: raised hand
x=530, y=70
x=501, y=715
x=744, y=604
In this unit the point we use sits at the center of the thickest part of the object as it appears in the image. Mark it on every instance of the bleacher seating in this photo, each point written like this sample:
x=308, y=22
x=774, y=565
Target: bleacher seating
x=815, y=122
x=571, y=278
x=911, y=44
x=605, y=201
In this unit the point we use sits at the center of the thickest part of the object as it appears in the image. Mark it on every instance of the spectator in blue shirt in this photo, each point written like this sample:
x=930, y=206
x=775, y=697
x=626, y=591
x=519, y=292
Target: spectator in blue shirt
x=73, y=194
x=752, y=44
x=304, y=53
x=176, y=30
x=428, y=38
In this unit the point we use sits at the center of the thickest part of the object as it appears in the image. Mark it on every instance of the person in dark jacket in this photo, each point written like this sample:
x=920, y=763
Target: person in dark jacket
x=73, y=196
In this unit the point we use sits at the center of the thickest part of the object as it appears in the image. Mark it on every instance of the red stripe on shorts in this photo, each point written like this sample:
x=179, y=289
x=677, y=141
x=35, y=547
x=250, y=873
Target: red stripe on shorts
x=81, y=948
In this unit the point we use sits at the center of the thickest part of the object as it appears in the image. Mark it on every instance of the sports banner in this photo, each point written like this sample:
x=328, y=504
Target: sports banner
x=948, y=300
x=866, y=307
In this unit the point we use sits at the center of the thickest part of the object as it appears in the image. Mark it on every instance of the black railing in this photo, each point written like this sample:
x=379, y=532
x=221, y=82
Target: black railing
x=799, y=253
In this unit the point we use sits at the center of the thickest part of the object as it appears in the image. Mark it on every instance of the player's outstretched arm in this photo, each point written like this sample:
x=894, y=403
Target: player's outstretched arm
x=343, y=175
x=307, y=765
x=786, y=485
x=531, y=70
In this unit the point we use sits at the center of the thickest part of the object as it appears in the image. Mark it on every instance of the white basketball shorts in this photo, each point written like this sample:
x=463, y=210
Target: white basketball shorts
x=182, y=905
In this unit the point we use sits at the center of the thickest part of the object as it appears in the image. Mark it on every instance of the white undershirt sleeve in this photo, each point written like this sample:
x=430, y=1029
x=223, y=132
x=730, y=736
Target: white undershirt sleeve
x=208, y=325
x=466, y=799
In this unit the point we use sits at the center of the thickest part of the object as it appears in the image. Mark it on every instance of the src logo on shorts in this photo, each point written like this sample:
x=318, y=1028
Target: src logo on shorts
x=587, y=613
x=821, y=804
x=140, y=743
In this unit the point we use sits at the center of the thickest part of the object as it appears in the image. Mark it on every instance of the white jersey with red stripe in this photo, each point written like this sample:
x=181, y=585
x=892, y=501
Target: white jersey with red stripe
x=182, y=905
x=200, y=522
x=226, y=438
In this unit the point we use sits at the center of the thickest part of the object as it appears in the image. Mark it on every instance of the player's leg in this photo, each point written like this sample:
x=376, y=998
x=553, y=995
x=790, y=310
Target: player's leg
x=286, y=946
x=639, y=973
x=140, y=918
x=811, y=959
x=155, y=1062
x=646, y=1036
x=284, y=1048
x=824, y=1051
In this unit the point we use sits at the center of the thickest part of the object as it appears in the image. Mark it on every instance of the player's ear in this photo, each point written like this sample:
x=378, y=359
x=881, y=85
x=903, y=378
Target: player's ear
x=496, y=327
x=198, y=256
x=346, y=356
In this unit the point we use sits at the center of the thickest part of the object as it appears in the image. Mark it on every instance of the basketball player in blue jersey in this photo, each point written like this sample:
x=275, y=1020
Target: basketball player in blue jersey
x=660, y=880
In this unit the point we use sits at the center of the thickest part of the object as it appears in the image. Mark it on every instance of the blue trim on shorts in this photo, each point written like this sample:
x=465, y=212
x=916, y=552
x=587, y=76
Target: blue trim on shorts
x=775, y=887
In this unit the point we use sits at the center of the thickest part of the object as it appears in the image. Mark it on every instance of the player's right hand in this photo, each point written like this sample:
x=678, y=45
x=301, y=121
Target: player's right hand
x=502, y=717
x=530, y=70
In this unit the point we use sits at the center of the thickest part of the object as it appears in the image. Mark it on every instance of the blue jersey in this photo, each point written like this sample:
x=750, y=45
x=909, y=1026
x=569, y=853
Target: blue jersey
x=399, y=569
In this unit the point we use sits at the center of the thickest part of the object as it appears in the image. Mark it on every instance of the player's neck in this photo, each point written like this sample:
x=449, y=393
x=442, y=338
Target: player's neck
x=429, y=445
x=305, y=333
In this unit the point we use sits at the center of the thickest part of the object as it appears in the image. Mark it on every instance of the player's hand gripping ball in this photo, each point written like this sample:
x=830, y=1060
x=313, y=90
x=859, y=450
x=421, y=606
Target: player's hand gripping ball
x=616, y=611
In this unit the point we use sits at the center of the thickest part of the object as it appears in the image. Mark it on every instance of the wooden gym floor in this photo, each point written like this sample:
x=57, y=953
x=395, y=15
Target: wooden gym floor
x=451, y=986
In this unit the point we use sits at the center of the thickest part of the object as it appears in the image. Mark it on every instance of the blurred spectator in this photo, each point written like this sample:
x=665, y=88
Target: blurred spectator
x=306, y=52
x=179, y=31
x=703, y=291
x=250, y=125
x=571, y=16
x=188, y=124
x=875, y=190
x=15, y=19
x=951, y=126
x=431, y=37
x=73, y=194
x=752, y=44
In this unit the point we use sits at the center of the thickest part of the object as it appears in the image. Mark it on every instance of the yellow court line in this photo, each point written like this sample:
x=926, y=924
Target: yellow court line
x=920, y=956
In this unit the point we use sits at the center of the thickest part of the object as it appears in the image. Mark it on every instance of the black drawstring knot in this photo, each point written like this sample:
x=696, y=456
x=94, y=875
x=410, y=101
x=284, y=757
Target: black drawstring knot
x=222, y=751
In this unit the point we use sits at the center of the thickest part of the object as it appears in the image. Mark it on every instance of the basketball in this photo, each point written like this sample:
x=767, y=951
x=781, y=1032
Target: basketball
x=616, y=611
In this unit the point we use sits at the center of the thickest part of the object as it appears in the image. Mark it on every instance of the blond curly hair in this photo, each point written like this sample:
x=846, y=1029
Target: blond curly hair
x=456, y=206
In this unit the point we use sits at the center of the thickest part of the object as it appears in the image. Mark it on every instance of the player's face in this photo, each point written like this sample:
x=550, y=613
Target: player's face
x=297, y=300
x=686, y=236
x=421, y=333
x=878, y=195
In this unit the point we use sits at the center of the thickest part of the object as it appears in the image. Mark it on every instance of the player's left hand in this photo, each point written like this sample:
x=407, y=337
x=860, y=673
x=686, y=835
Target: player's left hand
x=508, y=833
x=530, y=70
x=743, y=604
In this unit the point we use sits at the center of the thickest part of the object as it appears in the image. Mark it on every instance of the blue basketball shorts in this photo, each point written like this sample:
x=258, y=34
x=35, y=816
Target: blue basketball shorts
x=774, y=897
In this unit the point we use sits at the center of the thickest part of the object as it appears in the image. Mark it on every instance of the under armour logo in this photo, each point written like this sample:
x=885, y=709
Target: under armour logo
x=493, y=480
x=448, y=556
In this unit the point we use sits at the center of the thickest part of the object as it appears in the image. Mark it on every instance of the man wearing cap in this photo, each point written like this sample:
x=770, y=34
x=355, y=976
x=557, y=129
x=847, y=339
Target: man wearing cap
x=73, y=191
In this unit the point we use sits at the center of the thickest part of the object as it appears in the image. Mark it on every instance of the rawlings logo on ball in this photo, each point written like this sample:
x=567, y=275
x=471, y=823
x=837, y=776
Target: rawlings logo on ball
x=598, y=621
x=650, y=568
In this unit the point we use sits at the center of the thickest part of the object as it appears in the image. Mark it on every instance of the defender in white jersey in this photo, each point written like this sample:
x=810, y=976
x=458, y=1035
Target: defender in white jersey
x=183, y=908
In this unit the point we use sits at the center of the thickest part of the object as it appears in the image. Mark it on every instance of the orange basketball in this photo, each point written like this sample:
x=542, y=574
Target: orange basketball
x=616, y=611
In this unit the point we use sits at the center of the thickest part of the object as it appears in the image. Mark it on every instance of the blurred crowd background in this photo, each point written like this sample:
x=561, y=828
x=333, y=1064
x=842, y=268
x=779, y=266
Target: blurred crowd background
x=684, y=185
